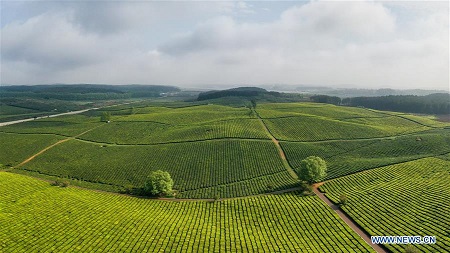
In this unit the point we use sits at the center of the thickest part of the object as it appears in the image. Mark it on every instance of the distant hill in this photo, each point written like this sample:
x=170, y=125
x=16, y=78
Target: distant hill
x=235, y=92
x=243, y=95
x=85, y=91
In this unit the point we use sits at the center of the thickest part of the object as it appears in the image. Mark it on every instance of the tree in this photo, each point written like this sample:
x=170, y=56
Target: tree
x=343, y=199
x=106, y=116
x=158, y=183
x=312, y=169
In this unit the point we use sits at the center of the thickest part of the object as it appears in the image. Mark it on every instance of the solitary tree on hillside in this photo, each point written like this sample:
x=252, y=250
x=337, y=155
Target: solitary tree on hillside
x=106, y=116
x=343, y=199
x=312, y=169
x=158, y=183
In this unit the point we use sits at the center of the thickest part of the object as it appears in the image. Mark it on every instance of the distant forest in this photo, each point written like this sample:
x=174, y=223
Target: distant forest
x=85, y=91
x=438, y=103
x=243, y=95
x=235, y=92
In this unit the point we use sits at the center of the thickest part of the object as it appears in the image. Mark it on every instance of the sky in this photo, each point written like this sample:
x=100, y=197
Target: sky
x=201, y=44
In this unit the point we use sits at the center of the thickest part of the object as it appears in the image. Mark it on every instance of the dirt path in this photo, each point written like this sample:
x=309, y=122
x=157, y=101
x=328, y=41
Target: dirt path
x=51, y=146
x=42, y=151
x=277, y=144
x=352, y=224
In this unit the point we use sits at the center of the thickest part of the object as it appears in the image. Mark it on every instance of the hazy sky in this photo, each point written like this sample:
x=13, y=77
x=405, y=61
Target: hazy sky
x=371, y=44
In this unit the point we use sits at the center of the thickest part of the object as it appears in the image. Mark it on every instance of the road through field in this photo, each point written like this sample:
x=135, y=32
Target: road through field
x=50, y=116
x=277, y=144
x=57, y=115
x=353, y=225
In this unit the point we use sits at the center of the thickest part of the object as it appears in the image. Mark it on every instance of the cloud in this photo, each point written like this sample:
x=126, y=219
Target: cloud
x=49, y=40
x=360, y=43
x=313, y=24
x=323, y=43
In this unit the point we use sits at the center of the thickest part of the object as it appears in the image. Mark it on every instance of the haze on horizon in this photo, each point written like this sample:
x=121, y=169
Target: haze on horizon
x=359, y=44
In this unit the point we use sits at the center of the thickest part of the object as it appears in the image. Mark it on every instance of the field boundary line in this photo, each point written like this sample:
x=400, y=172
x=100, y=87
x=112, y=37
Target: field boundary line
x=277, y=145
x=53, y=145
x=394, y=163
x=190, y=124
x=400, y=116
x=292, y=189
x=348, y=220
x=237, y=182
x=368, y=138
x=174, y=142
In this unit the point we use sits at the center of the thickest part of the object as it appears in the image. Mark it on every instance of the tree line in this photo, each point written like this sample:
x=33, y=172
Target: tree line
x=438, y=103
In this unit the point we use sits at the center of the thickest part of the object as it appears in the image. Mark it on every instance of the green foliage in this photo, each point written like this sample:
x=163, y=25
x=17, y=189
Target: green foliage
x=69, y=125
x=312, y=169
x=15, y=148
x=183, y=139
x=154, y=132
x=275, y=110
x=188, y=115
x=403, y=199
x=235, y=92
x=343, y=199
x=345, y=157
x=85, y=91
x=438, y=103
x=306, y=189
x=279, y=181
x=158, y=183
x=311, y=128
x=106, y=117
x=193, y=165
x=326, y=99
x=60, y=183
x=114, y=223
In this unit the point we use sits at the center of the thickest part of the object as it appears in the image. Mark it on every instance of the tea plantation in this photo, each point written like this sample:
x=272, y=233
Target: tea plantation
x=410, y=198
x=77, y=220
x=394, y=168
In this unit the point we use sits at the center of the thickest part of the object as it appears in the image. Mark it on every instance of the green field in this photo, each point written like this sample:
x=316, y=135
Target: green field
x=140, y=132
x=193, y=165
x=316, y=122
x=69, y=125
x=222, y=152
x=189, y=115
x=276, y=110
x=15, y=148
x=405, y=199
x=76, y=220
x=315, y=128
x=346, y=157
